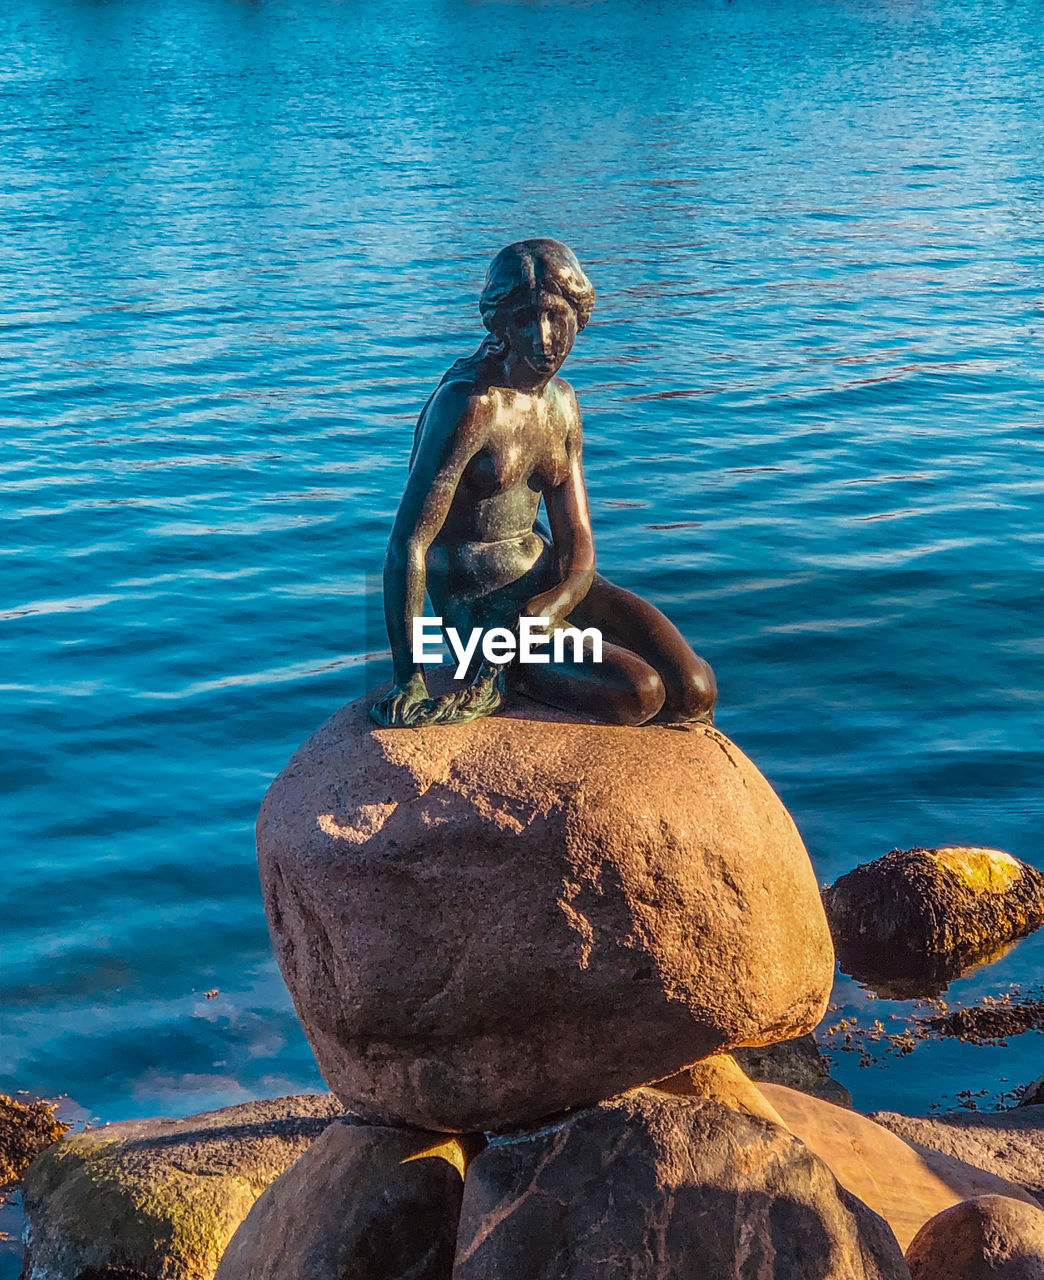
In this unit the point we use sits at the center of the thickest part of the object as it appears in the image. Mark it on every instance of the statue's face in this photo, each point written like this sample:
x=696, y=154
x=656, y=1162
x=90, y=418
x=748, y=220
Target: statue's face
x=541, y=331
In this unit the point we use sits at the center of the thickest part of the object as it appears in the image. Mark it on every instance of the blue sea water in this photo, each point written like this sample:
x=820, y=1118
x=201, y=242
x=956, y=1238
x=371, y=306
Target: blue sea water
x=243, y=239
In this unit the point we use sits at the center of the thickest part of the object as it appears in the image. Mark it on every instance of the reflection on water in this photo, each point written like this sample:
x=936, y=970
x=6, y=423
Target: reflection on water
x=933, y=980
x=248, y=240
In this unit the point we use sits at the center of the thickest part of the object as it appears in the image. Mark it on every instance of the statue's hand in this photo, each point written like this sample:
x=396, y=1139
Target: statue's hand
x=402, y=705
x=482, y=697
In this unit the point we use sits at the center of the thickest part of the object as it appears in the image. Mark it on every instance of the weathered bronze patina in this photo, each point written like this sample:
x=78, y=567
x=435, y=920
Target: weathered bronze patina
x=500, y=433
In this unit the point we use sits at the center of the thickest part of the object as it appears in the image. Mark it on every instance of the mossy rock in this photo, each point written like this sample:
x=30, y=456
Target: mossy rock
x=160, y=1199
x=928, y=913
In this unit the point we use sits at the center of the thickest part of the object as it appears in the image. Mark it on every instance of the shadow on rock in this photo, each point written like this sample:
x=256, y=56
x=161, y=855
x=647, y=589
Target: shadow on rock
x=653, y=1184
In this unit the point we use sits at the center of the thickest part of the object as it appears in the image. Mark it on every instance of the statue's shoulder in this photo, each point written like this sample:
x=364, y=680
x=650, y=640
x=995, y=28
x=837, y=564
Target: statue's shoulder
x=458, y=396
x=458, y=404
x=562, y=390
x=563, y=397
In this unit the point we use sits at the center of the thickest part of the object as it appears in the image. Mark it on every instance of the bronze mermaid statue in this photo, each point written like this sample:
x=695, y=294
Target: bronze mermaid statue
x=500, y=434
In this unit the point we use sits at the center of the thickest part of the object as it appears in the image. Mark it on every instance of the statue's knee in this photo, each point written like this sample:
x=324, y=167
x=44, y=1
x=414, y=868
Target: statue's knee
x=698, y=691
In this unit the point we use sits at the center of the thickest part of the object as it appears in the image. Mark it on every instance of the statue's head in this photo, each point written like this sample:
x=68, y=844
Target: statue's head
x=536, y=300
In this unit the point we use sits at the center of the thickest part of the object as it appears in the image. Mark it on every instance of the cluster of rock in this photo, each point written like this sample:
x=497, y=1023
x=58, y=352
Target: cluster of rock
x=523, y=951
x=167, y=1199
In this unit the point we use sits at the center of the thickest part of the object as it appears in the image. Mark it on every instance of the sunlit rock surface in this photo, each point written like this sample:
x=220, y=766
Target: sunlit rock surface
x=484, y=924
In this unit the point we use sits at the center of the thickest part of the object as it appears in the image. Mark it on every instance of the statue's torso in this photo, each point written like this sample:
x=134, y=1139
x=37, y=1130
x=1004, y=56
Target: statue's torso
x=488, y=543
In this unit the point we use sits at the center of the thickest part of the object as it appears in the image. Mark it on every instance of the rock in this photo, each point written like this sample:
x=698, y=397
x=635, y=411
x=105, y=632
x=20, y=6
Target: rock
x=992, y=1021
x=26, y=1128
x=797, y=1063
x=484, y=924
x=159, y=1199
x=1033, y=1094
x=930, y=912
x=905, y=1184
x=655, y=1187
x=1007, y=1143
x=362, y=1201
x=989, y=1238
x=721, y=1079
x=906, y=1187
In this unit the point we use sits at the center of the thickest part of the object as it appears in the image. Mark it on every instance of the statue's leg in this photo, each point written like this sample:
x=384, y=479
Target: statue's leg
x=621, y=689
x=634, y=624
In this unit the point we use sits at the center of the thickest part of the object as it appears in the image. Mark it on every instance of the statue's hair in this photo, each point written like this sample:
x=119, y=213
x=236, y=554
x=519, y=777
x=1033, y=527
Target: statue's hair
x=527, y=266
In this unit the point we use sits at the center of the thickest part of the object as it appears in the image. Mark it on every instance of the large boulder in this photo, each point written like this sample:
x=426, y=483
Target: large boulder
x=989, y=1238
x=928, y=914
x=159, y=1199
x=364, y=1201
x=658, y=1187
x=485, y=924
x=1009, y=1144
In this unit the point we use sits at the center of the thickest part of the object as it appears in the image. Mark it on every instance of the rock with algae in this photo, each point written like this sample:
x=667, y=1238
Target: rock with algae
x=26, y=1129
x=160, y=1199
x=929, y=912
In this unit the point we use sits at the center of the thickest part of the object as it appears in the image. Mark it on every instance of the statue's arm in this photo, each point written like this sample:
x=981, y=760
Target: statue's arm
x=451, y=435
x=570, y=522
